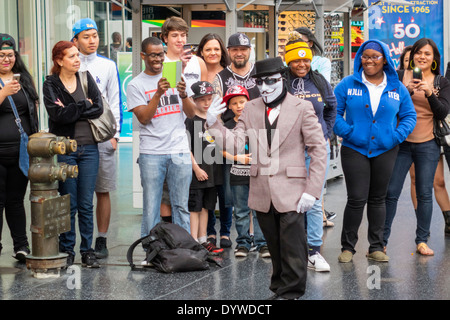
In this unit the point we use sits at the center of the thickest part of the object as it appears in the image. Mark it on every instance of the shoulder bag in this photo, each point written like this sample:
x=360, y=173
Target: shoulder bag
x=441, y=128
x=24, y=159
x=104, y=127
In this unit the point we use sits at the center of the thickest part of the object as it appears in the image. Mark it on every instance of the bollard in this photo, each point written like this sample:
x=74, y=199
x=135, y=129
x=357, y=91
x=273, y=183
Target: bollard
x=50, y=212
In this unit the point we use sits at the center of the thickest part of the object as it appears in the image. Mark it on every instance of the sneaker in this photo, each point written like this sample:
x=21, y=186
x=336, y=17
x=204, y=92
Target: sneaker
x=101, y=251
x=212, y=249
x=318, y=263
x=21, y=254
x=264, y=252
x=225, y=243
x=330, y=215
x=89, y=260
x=212, y=240
x=70, y=259
x=241, y=252
x=345, y=256
x=378, y=256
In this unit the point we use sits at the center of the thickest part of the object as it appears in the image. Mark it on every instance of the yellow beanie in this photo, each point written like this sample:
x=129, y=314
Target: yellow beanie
x=297, y=49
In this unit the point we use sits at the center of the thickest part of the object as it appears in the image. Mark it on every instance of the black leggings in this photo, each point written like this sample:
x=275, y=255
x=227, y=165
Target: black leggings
x=367, y=181
x=13, y=186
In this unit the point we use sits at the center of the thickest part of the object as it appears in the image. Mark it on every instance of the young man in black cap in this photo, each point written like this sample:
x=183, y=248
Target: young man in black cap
x=279, y=127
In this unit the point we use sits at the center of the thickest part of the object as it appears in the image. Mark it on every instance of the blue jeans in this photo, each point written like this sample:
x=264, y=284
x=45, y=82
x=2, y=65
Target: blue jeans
x=177, y=170
x=81, y=190
x=314, y=216
x=425, y=157
x=225, y=206
x=242, y=216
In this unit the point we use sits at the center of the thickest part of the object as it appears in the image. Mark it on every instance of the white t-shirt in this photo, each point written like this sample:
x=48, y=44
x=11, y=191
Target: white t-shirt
x=166, y=132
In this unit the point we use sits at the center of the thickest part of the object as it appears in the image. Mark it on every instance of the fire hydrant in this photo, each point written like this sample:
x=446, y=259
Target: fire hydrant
x=50, y=212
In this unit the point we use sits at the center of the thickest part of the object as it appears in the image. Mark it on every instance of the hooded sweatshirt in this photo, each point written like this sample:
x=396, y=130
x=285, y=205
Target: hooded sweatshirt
x=368, y=133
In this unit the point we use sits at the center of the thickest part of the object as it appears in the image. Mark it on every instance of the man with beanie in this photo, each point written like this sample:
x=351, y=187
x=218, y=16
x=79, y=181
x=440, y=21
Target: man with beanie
x=279, y=127
x=106, y=75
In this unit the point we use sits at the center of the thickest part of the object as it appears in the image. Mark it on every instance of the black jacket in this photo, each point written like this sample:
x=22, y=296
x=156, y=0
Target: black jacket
x=62, y=120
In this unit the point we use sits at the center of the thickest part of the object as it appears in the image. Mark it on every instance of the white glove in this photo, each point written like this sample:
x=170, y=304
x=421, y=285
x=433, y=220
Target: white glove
x=306, y=202
x=215, y=109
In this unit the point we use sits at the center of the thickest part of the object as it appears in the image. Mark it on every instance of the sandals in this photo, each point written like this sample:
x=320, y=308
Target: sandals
x=424, y=250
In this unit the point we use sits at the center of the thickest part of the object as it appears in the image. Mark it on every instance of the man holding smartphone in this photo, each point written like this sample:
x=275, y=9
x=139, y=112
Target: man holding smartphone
x=164, y=153
x=106, y=75
x=174, y=33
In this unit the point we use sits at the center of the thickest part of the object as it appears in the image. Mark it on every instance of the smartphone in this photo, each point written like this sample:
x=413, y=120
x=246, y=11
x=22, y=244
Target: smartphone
x=417, y=73
x=186, y=47
x=16, y=76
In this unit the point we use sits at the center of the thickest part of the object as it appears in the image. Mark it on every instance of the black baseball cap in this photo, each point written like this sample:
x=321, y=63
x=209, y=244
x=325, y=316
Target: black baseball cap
x=239, y=40
x=8, y=40
x=202, y=88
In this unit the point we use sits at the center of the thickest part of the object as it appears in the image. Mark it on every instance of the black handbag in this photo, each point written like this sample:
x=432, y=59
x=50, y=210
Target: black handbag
x=441, y=128
x=104, y=127
x=24, y=158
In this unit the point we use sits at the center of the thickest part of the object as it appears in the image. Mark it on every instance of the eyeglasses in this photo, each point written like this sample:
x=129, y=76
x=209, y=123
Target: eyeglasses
x=154, y=55
x=9, y=56
x=268, y=81
x=374, y=58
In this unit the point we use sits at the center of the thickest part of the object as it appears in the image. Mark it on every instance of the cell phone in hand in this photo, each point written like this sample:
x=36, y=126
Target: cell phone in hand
x=417, y=73
x=186, y=47
x=16, y=77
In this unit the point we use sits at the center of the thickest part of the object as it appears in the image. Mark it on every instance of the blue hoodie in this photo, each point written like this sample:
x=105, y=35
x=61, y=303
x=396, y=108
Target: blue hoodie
x=395, y=117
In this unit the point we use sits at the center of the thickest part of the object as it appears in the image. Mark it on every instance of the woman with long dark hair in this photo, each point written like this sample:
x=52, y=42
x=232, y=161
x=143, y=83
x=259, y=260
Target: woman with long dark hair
x=212, y=49
x=431, y=98
x=13, y=182
x=69, y=109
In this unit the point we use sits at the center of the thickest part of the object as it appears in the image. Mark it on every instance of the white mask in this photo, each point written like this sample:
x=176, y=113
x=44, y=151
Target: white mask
x=270, y=92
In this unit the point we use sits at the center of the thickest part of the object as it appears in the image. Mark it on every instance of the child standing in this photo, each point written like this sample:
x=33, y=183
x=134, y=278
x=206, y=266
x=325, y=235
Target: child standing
x=207, y=171
x=235, y=98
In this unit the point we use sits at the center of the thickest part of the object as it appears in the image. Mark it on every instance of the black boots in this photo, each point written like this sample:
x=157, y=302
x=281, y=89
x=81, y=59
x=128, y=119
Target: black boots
x=447, y=222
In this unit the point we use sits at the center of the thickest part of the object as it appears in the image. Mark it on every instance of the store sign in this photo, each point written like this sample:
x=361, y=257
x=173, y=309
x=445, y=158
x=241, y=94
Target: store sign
x=125, y=66
x=400, y=26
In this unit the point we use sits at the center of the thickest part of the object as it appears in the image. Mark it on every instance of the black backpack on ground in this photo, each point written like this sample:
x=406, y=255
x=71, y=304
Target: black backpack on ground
x=170, y=249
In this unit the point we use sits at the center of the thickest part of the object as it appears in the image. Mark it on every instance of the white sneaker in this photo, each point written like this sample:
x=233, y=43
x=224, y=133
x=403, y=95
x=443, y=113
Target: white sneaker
x=318, y=263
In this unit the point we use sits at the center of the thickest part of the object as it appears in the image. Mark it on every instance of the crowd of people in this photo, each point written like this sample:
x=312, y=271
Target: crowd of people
x=250, y=138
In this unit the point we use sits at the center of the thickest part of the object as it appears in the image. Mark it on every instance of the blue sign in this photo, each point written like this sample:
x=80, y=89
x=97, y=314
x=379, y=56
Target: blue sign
x=401, y=25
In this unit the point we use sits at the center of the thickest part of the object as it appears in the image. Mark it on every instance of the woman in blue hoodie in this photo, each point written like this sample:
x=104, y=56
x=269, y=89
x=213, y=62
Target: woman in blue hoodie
x=374, y=115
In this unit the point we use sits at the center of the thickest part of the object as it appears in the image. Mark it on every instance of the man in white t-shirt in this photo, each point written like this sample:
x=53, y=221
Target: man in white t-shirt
x=174, y=33
x=164, y=152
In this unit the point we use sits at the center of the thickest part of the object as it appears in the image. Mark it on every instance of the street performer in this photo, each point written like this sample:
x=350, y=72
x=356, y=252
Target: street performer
x=278, y=127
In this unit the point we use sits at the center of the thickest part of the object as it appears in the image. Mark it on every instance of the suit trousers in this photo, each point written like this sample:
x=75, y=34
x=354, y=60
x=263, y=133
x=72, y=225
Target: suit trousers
x=286, y=239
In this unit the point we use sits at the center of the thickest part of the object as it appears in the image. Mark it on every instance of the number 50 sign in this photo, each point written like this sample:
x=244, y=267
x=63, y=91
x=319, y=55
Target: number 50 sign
x=399, y=26
x=411, y=30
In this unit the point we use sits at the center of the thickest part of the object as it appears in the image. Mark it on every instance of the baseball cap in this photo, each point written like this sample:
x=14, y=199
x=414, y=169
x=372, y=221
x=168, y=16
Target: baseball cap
x=239, y=40
x=83, y=25
x=235, y=91
x=202, y=88
x=7, y=39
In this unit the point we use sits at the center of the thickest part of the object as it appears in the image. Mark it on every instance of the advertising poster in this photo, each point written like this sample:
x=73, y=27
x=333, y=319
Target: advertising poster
x=401, y=25
x=125, y=64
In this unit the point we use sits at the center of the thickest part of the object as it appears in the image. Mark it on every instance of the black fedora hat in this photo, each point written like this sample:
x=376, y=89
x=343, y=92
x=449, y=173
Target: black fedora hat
x=268, y=67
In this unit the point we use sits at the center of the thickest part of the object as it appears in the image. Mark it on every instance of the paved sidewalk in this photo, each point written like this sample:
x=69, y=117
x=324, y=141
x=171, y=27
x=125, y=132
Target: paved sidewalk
x=407, y=276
